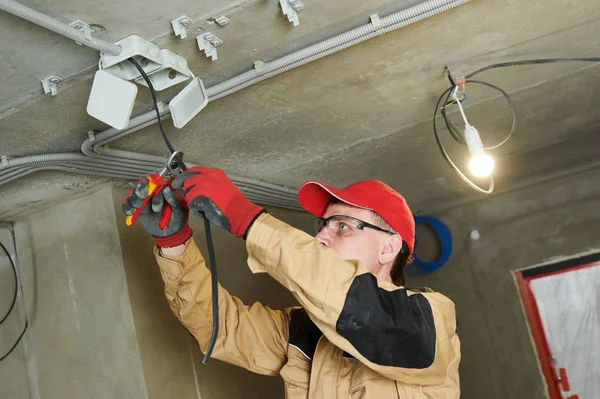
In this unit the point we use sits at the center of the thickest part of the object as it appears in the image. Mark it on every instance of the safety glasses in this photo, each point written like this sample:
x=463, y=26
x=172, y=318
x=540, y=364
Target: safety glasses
x=344, y=226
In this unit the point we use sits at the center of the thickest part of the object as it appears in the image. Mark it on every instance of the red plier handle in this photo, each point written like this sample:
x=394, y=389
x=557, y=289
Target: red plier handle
x=155, y=183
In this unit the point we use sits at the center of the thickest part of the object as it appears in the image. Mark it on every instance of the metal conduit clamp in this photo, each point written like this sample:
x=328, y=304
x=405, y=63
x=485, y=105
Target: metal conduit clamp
x=290, y=9
x=208, y=43
x=83, y=27
x=50, y=84
x=179, y=26
x=259, y=67
x=377, y=24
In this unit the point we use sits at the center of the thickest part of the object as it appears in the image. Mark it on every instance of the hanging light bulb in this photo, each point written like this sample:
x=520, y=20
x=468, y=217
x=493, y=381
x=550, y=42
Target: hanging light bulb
x=481, y=164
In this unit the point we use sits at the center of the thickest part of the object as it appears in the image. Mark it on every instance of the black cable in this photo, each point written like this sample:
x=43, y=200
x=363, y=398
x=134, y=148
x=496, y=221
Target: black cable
x=14, y=268
x=458, y=136
x=449, y=75
x=453, y=129
x=531, y=62
x=16, y=343
x=215, y=291
x=447, y=156
x=208, y=232
x=14, y=300
x=149, y=83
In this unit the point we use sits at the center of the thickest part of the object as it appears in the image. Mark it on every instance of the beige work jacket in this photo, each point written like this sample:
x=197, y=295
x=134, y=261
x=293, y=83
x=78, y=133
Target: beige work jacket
x=352, y=338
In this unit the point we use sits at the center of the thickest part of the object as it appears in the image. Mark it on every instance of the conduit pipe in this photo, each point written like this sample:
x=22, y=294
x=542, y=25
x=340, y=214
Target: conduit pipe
x=82, y=170
x=99, y=160
x=125, y=164
x=56, y=26
x=261, y=192
x=329, y=46
x=254, y=193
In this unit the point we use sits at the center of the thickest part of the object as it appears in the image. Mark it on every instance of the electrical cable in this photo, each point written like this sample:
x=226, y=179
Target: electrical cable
x=215, y=291
x=531, y=62
x=151, y=87
x=457, y=135
x=16, y=342
x=207, y=228
x=447, y=156
x=453, y=129
x=14, y=299
x=14, y=269
x=445, y=237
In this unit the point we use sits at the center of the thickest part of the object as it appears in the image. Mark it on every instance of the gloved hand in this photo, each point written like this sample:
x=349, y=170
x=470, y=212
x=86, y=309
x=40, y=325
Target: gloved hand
x=177, y=231
x=211, y=192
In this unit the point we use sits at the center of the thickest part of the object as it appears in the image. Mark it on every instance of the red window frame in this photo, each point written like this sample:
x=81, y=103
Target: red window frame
x=554, y=378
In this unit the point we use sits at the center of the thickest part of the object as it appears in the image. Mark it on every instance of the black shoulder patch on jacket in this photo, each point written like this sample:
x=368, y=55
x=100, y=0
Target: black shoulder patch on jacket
x=388, y=328
x=304, y=334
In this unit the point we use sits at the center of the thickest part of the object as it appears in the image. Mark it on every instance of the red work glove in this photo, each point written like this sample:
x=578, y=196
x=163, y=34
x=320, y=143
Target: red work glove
x=211, y=192
x=164, y=216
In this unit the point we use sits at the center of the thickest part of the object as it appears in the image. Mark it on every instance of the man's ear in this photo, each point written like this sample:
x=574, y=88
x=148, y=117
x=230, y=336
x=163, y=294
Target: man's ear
x=391, y=248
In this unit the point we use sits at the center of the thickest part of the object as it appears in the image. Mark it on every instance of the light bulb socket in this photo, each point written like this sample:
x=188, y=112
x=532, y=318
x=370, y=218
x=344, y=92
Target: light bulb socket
x=473, y=141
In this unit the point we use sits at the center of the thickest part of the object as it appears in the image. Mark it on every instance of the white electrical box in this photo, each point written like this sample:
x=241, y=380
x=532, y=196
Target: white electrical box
x=173, y=70
x=188, y=103
x=111, y=99
x=146, y=53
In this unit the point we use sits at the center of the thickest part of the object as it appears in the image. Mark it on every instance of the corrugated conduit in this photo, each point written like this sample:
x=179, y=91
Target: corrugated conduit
x=97, y=159
x=45, y=21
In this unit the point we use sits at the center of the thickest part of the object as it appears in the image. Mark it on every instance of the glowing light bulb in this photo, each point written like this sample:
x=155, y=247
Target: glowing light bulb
x=481, y=165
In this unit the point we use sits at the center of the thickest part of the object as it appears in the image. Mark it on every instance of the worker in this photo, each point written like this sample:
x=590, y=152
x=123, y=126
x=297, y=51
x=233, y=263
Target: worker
x=359, y=333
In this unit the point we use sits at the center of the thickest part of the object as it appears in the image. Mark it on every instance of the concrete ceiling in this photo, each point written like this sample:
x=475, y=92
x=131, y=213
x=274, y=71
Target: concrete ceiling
x=361, y=113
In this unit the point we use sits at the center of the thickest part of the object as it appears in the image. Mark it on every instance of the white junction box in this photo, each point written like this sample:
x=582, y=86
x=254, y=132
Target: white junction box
x=111, y=99
x=173, y=70
x=188, y=103
x=163, y=67
x=146, y=53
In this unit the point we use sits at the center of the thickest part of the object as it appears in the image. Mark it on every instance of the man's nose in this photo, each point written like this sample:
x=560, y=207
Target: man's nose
x=324, y=238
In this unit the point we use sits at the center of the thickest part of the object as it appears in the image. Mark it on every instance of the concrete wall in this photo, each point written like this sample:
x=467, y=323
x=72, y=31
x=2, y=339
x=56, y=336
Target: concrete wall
x=518, y=229
x=81, y=327
x=171, y=358
x=13, y=369
x=99, y=324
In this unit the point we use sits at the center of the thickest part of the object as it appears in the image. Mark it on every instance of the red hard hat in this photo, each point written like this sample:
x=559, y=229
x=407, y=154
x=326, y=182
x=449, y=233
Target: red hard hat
x=373, y=195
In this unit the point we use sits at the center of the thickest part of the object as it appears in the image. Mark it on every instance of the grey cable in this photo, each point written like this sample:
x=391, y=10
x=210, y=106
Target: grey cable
x=333, y=50
x=416, y=12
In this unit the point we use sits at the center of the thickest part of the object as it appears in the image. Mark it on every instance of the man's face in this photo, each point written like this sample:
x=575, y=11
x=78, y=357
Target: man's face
x=367, y=245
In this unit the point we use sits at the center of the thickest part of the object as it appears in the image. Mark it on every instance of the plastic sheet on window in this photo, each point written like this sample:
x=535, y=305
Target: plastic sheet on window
x=569, y=307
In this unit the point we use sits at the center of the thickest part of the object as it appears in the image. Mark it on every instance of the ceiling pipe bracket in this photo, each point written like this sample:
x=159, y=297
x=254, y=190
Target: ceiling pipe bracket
x=179, y=25
x=91, y=136
x=377, y=24
x=259, y=67
x=208, y=43
x=222, y=20
x=83, y=27
x=50, y=84
x=290, y=9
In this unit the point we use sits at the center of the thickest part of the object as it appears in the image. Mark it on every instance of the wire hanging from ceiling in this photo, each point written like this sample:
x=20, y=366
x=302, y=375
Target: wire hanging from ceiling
x=458, y=86
x=12, y=305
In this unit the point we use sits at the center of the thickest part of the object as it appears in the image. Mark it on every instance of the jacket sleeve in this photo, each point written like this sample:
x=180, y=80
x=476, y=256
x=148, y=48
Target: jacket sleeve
x=253, y=337
x=404, y=335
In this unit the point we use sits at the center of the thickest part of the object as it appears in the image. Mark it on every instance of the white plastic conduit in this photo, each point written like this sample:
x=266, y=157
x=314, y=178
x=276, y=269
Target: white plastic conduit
x=56, y=26
x=96, y=159
x=389, y=23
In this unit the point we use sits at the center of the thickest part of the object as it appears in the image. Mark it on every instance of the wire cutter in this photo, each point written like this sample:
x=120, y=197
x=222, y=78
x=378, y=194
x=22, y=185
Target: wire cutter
x=156, y=181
